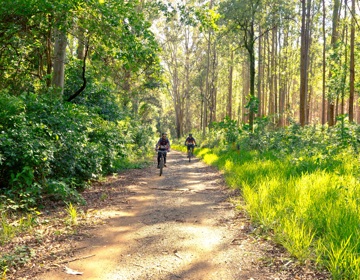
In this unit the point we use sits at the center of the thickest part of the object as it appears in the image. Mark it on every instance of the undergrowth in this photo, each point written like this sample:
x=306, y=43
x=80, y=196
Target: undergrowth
x=301, y=187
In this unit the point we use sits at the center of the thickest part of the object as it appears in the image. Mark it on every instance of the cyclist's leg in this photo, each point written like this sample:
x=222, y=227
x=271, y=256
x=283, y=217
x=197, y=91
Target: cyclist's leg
x=165, y=158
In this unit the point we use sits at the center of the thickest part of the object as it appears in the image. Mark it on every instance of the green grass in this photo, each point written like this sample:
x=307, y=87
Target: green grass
x=11, y=227
x=311, y=207
x=72, y=214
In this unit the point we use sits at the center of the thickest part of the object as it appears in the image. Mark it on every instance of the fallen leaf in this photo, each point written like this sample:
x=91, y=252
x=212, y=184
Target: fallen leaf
x=71, y=271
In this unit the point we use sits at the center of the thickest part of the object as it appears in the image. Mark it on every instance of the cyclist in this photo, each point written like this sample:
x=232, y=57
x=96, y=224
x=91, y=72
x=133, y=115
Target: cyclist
x=190, y=142
x=162, y=146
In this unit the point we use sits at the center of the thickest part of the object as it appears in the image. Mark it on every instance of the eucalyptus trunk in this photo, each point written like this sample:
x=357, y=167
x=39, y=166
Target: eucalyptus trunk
x=334, y=40
x=352, y=64
x=59, y=60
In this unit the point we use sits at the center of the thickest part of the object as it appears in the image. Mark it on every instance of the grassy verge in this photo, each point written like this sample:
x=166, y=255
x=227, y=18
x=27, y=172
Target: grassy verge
x=310, y=209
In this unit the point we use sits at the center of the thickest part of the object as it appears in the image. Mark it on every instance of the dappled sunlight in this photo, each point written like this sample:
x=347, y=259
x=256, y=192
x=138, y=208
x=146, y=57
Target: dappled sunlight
x=177, y=226
x=115, y=213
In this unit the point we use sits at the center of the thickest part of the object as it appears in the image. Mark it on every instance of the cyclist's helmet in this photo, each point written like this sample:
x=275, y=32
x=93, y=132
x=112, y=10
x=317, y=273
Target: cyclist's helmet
x=190, y=135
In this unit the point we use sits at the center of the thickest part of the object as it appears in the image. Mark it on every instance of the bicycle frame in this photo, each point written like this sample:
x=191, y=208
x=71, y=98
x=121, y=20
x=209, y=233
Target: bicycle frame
x=162, y=161
x=190, y=152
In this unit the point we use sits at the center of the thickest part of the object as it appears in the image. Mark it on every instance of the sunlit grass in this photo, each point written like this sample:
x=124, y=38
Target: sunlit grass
x=311, y=206
x=72, y=214
x=11, y=227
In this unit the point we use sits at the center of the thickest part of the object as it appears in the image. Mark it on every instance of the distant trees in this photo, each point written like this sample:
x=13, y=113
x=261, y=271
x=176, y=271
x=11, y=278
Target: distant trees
x=292, y=61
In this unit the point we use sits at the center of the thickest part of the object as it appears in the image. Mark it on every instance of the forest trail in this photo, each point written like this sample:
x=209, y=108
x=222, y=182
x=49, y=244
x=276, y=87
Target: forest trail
x=181, y=225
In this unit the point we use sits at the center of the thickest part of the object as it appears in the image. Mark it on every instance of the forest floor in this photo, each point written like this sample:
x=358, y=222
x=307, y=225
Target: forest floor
x=139, y=225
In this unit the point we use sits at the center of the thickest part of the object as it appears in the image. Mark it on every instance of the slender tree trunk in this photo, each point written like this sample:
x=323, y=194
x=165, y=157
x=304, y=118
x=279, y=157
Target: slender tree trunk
x=260, y=76
x=304, y=61
x=245, y=92
x=188, y=124
x=272, y=79
x=207, y=86
x=352, y=64
x=344, y=74
x=323, y=111
x=48, y=58
x=251, y=52
x=275, y=76
x=230, y=88
x=283, y=82
x=213, y=85
x=334, y=39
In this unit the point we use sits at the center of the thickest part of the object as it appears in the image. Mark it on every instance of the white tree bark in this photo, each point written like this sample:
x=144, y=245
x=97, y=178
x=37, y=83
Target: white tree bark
x=59, y=60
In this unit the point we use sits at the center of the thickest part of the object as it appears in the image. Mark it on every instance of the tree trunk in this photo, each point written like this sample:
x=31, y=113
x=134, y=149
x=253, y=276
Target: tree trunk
x=207, y=87
x=245, y=92
x=260, y=76
x=304, y=60
x=352, y=64
x=213, y=85
x=323, y=111
x=334, y=39
x=251, y=51
x=230, y=87
x=59, y=59
x=283, y=82
x=271, y=77
x=187, y=125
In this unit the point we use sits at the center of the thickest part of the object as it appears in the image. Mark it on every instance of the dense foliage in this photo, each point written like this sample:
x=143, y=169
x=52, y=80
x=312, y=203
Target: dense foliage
x=73, y=112
x=52, y=148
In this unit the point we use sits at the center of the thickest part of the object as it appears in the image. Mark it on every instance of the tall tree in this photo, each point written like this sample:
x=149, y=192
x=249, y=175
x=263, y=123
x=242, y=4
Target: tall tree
x=59, y=59
x=323, y=111
x=230, y=83
x=304, y=62
x=334, y=41
x=242, y=16
x=352, y=62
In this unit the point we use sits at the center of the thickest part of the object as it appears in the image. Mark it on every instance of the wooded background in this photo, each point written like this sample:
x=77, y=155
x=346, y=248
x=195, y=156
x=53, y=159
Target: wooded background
x=288, y=61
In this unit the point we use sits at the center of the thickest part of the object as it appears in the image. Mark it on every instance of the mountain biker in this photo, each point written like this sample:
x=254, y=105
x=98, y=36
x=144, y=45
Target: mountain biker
x=190, y=142
x=162, y=146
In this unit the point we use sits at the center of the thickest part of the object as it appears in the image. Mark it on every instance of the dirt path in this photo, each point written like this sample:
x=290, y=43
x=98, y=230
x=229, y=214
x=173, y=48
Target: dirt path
x=177, y=226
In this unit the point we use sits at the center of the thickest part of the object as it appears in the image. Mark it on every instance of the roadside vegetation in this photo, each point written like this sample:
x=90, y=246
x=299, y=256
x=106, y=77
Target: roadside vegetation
x=50, y=151
x=300, y=185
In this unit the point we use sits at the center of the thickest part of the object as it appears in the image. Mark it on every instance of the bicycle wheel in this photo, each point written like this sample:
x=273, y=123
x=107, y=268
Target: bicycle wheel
x=189, y=154
x=161, y=165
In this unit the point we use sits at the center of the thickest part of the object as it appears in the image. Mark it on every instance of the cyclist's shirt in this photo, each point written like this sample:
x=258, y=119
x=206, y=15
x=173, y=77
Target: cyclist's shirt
x=163, y=144
x=190, y=140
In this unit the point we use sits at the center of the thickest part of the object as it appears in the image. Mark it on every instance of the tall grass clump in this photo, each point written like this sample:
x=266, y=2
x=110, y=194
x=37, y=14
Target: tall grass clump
x=301, y=185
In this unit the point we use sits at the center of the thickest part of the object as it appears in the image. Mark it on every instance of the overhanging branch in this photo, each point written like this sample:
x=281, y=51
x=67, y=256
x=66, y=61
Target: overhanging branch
x=81, y=89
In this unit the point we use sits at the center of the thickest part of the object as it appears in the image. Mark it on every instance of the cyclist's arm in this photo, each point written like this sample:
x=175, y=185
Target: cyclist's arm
x=157, y=145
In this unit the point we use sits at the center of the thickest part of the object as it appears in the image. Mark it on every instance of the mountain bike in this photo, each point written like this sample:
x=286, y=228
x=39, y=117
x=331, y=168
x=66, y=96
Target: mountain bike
x=162, y=161
x=190, y=151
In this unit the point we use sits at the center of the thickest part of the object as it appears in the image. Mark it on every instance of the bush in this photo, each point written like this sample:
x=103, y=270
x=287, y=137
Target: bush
x=53, y=148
